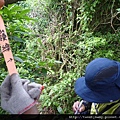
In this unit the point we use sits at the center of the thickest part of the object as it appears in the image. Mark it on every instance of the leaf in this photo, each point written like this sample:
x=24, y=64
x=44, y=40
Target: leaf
x=18, y=59
x=14, y=7
x=24, y=12
x=21, y=32
x=28, y=18
x=44, y=71
x=69, y=0
x=42, y=63
x=60, y=110
x=58, y=61
x=17, y=39
x=118, y=10
x=1, y=12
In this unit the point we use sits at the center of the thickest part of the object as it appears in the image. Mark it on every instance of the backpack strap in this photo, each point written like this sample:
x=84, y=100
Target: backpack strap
x=117, y=111
x=110, y=106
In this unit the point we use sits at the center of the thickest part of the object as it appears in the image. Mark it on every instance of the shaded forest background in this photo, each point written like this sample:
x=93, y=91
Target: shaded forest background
x=53, y=40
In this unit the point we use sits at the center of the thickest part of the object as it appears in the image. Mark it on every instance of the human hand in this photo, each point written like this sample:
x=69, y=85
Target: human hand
x=76, y=107
x=14, y=98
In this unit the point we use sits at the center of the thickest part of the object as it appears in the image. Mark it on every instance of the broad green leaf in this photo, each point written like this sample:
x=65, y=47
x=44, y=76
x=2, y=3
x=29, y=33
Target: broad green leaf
x=18, y=59
x=44, y=71
x=1, y=12
x=58, y=61
x=24, y=12
x=17, y=39
x=60, y=110
x=14, y=7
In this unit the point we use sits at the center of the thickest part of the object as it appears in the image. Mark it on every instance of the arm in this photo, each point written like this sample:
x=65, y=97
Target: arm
x=32, y=110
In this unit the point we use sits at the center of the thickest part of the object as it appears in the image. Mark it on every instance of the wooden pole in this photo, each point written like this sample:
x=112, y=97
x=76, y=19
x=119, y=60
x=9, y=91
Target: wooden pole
x=6, y=50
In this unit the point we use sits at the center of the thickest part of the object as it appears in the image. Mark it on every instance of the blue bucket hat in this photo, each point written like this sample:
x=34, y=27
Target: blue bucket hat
x=101, y=83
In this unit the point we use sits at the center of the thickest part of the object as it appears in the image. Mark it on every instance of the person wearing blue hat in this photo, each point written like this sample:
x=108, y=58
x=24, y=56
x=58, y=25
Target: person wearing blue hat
x=99, y=87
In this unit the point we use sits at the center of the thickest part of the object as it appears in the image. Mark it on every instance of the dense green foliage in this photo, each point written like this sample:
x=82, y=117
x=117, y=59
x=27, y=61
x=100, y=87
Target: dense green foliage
x=53, y=41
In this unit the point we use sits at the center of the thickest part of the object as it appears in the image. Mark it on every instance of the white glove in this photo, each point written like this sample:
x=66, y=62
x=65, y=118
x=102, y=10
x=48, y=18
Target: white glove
x=33, y=89
x=14, y=98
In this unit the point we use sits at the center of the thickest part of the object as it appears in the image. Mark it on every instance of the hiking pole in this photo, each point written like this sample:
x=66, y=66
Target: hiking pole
x=77, y=111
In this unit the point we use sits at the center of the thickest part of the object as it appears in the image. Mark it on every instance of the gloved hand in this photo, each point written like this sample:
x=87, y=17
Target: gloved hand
x=14, y=98
x=33, y=89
